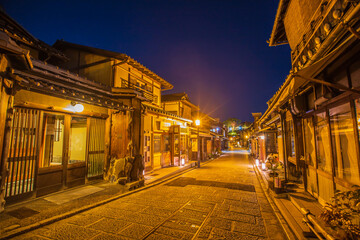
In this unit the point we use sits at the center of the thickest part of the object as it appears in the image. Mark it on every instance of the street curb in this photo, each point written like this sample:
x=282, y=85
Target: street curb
x=42, y=223
x=284, y=225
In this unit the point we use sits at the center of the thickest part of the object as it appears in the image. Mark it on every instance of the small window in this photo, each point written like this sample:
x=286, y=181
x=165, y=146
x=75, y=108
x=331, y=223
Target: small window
x=158, y=125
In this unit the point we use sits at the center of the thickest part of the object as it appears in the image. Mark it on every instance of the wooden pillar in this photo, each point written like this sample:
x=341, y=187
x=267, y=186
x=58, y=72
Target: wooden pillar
x=6, y=114
x=139, y=165
x=284, y=136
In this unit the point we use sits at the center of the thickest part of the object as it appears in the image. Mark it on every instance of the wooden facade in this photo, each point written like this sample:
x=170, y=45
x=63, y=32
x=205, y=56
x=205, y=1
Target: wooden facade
x=315, y=113
x=47, y=143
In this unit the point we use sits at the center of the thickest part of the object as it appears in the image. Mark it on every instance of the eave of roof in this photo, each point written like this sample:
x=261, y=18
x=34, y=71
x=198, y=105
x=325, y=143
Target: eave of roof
x=278, y=35
x=18, y=33
x=61, y=44
x=173, y=97
x=178, y=97
x=164, y=113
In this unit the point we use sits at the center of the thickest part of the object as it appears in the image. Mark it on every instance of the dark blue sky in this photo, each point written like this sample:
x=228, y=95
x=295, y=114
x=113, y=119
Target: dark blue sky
x=215, y=51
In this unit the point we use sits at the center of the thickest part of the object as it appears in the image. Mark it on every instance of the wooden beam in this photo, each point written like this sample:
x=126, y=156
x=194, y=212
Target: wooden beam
x=91, y=64
x=333, y=85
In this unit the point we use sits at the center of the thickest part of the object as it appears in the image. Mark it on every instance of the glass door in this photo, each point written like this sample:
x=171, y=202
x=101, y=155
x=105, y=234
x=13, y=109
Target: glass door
x=76, y=167
x=310, y=156
x=50, y=174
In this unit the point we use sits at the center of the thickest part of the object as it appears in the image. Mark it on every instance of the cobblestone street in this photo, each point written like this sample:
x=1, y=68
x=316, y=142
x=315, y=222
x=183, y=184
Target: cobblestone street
x=221, y=200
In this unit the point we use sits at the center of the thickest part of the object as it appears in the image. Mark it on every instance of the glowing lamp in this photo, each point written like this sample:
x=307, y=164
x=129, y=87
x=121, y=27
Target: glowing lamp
x=262, y=137
x=78, y=107
x=257, y=162
x=182, y=161
x=197, y=122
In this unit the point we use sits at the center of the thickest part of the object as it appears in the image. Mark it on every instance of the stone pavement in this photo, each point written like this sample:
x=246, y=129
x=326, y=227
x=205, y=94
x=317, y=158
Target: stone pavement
x=21, y=216
x=221, y=200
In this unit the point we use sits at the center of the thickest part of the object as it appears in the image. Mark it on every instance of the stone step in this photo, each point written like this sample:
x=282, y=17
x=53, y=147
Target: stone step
x=294, y=218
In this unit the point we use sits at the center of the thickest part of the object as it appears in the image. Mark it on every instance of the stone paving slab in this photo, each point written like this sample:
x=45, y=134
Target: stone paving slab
x=71, y=195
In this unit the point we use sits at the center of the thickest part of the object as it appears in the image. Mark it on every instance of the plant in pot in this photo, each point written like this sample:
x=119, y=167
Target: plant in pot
x=343, y=213
x=272, y=163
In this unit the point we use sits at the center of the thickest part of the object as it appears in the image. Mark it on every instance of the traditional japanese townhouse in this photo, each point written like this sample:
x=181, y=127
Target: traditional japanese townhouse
x=58, y=128
x=316, y=110
x=204, y=135
x=169, y=134
x=121, y=72
x=180, y=105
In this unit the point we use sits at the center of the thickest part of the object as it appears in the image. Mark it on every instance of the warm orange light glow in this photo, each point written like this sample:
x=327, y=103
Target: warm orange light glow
x=197, y=122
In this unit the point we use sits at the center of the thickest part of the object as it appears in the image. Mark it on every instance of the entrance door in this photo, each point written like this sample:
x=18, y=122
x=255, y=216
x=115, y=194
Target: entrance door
x=51, y=165
x=96, y=154
x=22, y=156
x=310, y=156
x=147, y=151
x=176, y=150
x=62, y=153
x=75, y=174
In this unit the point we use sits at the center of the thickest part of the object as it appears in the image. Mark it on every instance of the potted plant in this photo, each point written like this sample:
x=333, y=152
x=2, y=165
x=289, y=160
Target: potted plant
x=343, y=213
x=272, y=162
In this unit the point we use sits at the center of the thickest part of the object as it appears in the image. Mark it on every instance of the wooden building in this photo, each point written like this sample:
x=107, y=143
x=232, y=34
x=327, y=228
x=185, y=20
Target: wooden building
x=59, y=129
x=315, y=113
x=180, y=105
x=161, y=131
x=210, y=134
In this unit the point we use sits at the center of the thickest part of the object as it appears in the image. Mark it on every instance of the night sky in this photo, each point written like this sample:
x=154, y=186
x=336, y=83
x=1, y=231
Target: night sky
x=215, y=51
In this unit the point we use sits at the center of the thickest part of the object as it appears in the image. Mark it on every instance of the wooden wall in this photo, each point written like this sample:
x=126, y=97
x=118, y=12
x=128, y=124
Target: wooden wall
x=297, y=19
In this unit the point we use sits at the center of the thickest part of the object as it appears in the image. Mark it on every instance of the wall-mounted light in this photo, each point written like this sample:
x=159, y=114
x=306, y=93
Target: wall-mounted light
x=74, y=107
x=257, y=162
x=197, y=122
x=262, y=137
x=79, y=107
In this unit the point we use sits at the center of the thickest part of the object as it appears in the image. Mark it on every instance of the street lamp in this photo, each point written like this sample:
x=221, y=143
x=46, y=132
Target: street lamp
x=197, y=123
